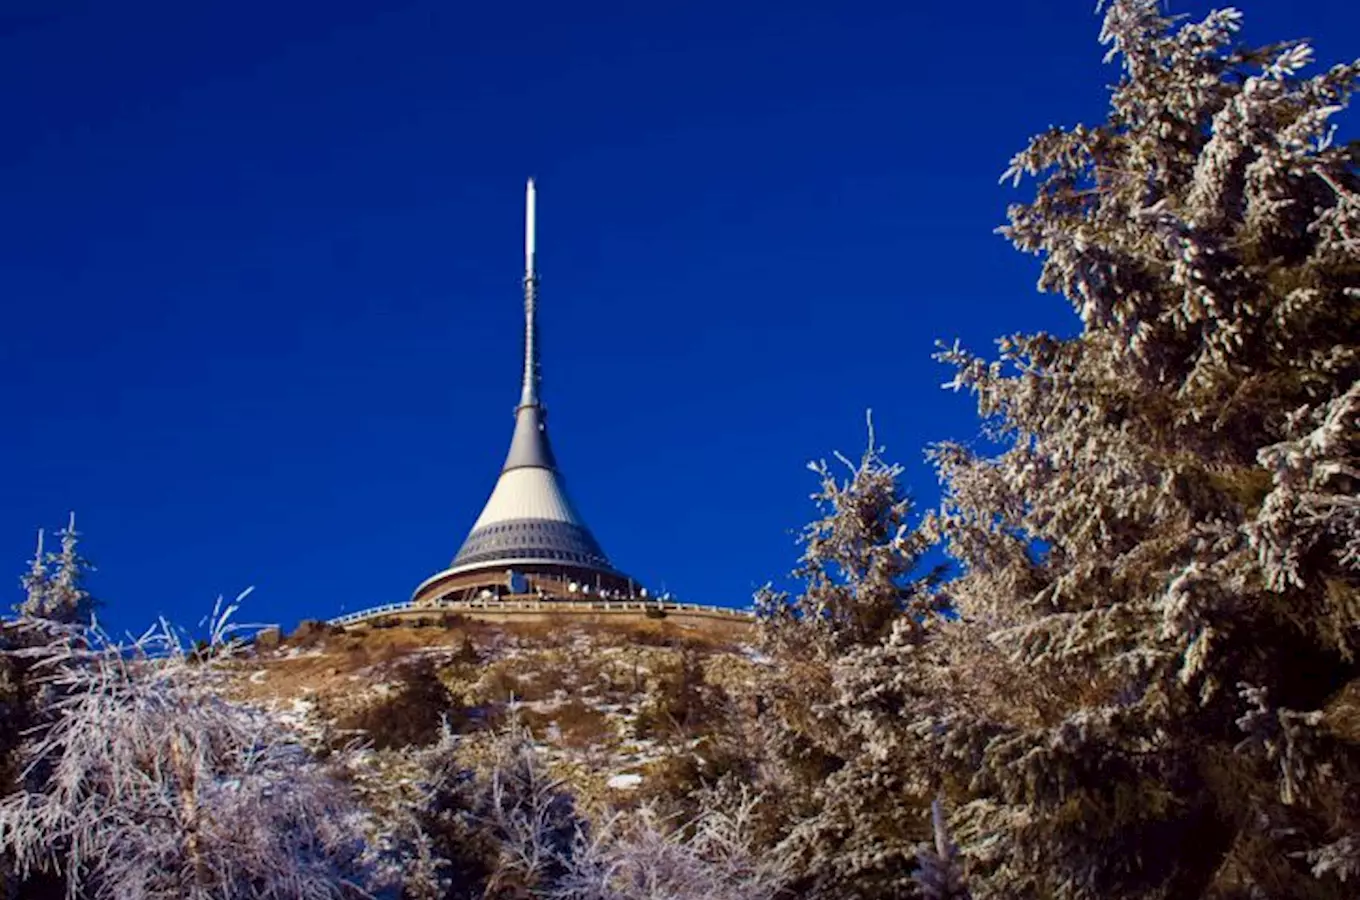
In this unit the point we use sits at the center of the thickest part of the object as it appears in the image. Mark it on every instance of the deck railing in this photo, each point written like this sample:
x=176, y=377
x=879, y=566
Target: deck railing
x=534, y=604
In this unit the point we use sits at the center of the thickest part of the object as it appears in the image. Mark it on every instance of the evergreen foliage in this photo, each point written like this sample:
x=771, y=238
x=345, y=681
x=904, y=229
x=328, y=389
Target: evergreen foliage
x=1161, y=570
x=54, y=585
x=1158, y=572
x=856, y=566
x=853, y=818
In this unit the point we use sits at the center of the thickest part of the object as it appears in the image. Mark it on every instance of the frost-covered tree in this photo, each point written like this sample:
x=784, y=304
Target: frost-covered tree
x=12, y=709
x=857, y=567
x=853, y=814
x=145, y=783
x=643, y=855
x=1161, y=569
x=12, y=722
x=54, y=585
x=54, y=596
x=492, y=821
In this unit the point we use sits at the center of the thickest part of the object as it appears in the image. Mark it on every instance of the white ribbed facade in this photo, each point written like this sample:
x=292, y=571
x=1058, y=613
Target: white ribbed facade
x=528, y=493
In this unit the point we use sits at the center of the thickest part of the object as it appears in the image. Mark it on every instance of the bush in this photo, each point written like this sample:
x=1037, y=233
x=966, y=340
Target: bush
x=502, y=827
x=580, y=725
x=413, y=715
x=146, y=784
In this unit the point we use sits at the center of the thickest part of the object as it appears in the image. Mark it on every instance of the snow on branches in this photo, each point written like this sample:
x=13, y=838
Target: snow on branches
x=643, y=855
x=54, y=583
x=1172, y=512
x=849, y=659
x=495, y=822
x=146, y=783
x=857, y=562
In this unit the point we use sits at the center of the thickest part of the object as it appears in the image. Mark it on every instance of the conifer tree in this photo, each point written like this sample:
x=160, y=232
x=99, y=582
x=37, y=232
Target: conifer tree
x=853, y=815
x=54, y=586
x=857, y=565
x=36, y=580
x=1161, y=571
x=54, y=600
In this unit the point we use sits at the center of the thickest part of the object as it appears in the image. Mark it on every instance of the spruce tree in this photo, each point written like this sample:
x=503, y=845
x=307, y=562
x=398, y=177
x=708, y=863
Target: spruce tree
x=1160, y=597
x=853, y=816
x=54, y=586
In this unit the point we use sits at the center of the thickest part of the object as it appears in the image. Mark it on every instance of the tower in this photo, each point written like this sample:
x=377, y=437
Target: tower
x=529, y=537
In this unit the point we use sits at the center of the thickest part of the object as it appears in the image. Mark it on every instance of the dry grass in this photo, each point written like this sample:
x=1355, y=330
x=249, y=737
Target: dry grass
x=603, y=697
x=711, y=635
x=336, y=663
x=578, y=725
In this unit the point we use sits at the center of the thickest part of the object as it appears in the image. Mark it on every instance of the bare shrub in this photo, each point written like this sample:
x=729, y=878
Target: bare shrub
x=643, y=855
x=309, y=633
x=147, y=784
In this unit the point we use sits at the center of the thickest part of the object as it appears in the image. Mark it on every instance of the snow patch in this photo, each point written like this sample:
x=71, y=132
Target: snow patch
x=755, y=656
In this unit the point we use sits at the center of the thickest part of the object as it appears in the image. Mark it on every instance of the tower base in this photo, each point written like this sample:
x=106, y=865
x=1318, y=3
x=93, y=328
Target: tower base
x=542, y=582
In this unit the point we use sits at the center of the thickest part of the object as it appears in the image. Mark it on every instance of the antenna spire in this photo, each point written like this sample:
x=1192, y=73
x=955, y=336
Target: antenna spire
x=529, y=392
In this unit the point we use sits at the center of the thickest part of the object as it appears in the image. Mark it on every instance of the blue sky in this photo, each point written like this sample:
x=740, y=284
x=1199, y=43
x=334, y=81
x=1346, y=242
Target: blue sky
x=259, y=270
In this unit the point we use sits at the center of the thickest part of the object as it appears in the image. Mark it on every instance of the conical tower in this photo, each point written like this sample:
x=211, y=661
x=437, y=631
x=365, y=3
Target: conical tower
x=529, y=537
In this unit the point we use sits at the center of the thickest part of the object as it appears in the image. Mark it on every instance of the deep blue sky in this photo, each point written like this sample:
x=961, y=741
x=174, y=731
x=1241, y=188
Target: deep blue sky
x=259, y=267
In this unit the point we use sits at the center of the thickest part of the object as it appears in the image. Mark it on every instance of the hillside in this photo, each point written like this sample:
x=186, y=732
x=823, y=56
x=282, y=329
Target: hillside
x=621, y=710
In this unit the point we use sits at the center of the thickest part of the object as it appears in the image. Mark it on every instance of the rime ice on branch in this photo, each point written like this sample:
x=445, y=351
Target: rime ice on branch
x=1161, y=567
x=54, y=584
x=146, y=783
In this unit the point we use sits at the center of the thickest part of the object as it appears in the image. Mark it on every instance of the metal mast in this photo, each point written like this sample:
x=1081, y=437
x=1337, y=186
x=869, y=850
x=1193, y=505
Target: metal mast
x=529, y=445
x=532, y=373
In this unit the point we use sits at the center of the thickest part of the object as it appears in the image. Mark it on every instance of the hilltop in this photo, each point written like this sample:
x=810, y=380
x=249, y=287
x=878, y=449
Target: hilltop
x=622, y=710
